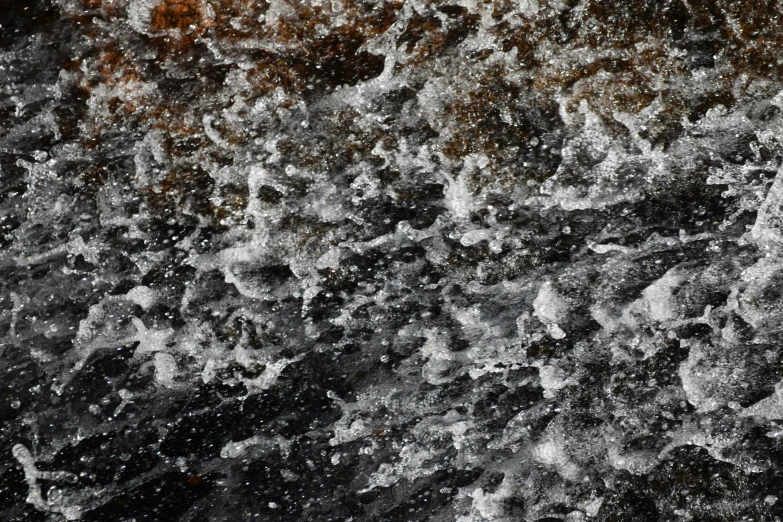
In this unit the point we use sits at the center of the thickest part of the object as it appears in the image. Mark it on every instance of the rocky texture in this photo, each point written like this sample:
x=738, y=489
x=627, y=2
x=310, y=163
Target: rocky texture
x=345, y=260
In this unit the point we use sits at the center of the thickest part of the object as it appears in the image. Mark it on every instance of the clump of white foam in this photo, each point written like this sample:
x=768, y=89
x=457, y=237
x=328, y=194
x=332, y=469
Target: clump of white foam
x=345, y=432
x=552, y=452
x=488, y=506
x=438, y=356
x=458, y=196
x=768, y=408
x=270, y=374
x=233, y=450
x=768, y=228
x=550, y=309
x=56, y=501
x=552, y=380
x=528, y=7
x=143, y=296
x=165, y=369
x=474, y=237
x=658, y=296
x=414, y=462
x=701, y=378
x=657, y=303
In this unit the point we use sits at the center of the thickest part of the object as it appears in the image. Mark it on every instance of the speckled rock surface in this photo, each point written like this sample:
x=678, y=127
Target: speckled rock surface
x=391, y=260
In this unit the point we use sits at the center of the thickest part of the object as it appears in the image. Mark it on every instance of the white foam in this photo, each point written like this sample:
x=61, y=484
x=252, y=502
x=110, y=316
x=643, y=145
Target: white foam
x=233, y=450
x=552, y=452
x=474, y=237
x=55, y=502
x=143, y=296
x=552, y=379
x=411, y=465
x=165, y=369
x=550, y=309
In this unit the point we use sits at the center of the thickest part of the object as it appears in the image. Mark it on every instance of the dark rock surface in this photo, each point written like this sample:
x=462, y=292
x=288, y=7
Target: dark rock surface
x=391, y=260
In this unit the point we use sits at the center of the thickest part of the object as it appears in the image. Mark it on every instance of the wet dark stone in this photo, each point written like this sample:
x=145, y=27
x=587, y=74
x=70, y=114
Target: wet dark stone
x=390, y=261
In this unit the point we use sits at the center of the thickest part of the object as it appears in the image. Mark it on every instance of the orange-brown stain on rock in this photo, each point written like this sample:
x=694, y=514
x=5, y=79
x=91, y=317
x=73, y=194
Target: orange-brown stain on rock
x=182, y=187
x=176, y=14
x=195, y=480
x=236, y=20
x=482, y=118
x=631, y=43
x=427, y=36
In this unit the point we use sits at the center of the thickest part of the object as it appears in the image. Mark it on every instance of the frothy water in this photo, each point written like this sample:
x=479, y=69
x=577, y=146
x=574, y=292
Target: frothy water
x=390, y=261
